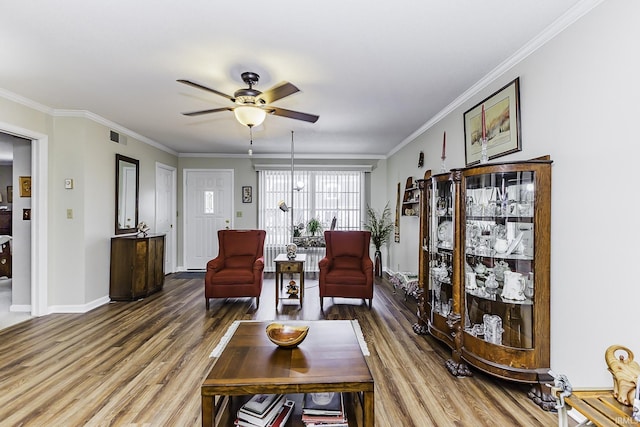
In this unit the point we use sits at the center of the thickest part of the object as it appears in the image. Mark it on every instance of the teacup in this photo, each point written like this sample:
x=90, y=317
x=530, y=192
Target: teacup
x=501, y=246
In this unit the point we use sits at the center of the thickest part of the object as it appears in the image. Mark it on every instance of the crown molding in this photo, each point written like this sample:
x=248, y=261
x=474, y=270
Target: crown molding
x=19, y=99
x=82, y=114
x=112, y=125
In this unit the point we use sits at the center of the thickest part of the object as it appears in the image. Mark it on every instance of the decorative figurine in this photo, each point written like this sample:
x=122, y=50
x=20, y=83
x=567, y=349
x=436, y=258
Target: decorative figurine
x=625, y=373
x=143, y=229
x=292, y=249
x=292, y=289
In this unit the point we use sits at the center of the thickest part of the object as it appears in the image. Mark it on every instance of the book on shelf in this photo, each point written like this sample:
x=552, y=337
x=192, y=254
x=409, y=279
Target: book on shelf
x=260, y=403
x=323, y=404
x=249, y=418
x=323, y=409
x=324, y=420
x=345, y=424
x=282, y=417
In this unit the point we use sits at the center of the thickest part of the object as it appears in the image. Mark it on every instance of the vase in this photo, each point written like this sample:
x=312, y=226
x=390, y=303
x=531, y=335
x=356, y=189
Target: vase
x=378, y=264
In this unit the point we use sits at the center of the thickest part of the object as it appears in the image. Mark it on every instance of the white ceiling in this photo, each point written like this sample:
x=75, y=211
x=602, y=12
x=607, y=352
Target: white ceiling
x=375, y=72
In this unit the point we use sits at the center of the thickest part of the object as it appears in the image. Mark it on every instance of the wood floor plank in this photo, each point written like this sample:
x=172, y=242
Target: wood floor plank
x=141, y=363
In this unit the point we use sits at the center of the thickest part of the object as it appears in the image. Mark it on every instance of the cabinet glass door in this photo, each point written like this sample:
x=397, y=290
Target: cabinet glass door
x=499, y=283
x=441, y=246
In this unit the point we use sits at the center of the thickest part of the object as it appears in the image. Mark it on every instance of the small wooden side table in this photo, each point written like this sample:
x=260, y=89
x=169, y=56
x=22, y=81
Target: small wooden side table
x=598, y=406
x=286, y=265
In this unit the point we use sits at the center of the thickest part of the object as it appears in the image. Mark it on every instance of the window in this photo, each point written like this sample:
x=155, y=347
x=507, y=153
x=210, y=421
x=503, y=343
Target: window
x=324, y=195
x=209, y=207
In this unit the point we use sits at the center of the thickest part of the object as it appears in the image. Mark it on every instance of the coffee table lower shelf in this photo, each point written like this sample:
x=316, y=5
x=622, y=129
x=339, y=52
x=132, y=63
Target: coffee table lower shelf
x=227, y=408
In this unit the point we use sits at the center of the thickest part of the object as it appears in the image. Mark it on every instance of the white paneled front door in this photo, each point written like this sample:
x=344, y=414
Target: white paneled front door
x=166, y=213
x=208, y=206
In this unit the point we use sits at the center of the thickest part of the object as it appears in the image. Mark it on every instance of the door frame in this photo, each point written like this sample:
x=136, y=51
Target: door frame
x=172, y=249
x=184, y=205
x=39, y=215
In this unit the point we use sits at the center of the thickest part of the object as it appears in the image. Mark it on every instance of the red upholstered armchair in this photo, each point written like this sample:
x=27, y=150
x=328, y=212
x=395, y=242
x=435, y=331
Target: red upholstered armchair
x=346, y=270
x=237, y=271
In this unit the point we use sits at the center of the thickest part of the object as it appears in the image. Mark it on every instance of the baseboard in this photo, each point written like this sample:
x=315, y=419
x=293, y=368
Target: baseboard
x=79, y=308
x=16, y=308
x=182, y=269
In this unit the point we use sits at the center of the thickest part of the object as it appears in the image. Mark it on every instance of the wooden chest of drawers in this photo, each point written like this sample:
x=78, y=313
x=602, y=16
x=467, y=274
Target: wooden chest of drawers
x=137, y=267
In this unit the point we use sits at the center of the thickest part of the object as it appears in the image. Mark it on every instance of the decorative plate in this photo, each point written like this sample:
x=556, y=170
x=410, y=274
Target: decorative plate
x=514, y=243
x=445, y=231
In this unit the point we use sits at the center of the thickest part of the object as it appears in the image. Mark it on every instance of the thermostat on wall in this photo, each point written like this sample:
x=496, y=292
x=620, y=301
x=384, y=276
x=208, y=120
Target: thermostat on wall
x=68, y=183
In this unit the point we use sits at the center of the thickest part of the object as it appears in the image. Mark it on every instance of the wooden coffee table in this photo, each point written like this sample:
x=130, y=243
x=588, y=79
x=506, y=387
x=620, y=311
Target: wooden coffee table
x=329, y=359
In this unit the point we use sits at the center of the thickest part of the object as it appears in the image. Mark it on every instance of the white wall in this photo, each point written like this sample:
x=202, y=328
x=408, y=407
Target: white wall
x=21, y=230
x=579, y=104
x=79, y=148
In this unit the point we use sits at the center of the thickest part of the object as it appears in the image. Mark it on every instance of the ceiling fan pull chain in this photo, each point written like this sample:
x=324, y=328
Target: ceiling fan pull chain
x=250, y=141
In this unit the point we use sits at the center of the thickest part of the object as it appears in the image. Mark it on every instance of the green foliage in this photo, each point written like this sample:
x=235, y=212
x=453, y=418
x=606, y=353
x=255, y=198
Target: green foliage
x=314, y=226
x=380, y=225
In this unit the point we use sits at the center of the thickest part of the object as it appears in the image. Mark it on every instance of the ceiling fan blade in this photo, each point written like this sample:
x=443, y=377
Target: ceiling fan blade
x=214, y=110
x=292, y=114
x=199, y=86
x=278, y=92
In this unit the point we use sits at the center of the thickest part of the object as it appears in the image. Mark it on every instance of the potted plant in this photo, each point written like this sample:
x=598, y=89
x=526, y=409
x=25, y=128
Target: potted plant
x=314, y=226
x=380, y=226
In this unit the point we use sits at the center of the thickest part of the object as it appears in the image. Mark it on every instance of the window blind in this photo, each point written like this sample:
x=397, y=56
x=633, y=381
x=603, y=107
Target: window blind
x=324, y=195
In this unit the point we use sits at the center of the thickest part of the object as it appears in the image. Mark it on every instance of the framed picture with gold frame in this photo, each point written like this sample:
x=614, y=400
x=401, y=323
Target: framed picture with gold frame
x=502, y=125
x=25, y=186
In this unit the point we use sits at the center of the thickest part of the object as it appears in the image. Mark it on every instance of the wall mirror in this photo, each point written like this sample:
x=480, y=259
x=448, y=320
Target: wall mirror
x=127, y=185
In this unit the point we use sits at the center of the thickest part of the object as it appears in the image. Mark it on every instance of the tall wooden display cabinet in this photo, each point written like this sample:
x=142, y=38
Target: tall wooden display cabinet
x=485, y=251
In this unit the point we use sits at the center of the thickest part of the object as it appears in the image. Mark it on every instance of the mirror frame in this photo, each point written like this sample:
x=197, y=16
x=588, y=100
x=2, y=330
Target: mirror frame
x=120, y=161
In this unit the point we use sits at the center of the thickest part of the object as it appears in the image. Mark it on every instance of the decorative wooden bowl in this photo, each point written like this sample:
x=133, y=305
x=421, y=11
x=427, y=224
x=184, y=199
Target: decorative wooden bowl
x=286, y=336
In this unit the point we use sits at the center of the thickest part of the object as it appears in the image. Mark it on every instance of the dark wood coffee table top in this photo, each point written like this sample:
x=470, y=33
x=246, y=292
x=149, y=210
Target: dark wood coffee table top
x=329, y=359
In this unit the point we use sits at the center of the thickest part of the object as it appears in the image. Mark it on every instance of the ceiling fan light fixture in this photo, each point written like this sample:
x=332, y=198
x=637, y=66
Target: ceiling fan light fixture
x=249, y=115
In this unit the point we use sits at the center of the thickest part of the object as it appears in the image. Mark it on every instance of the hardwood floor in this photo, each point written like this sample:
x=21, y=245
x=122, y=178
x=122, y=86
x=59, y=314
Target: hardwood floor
x=141, y=363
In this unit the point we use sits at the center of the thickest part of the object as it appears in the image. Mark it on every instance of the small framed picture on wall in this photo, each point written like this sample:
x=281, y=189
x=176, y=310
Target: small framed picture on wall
x=247, y=194
x=25, y=186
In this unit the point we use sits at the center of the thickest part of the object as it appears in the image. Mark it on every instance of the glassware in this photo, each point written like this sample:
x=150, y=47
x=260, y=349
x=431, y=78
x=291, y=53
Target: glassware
x=528, y=290
x=445, y=308
x=483, y=154
x=493, y=328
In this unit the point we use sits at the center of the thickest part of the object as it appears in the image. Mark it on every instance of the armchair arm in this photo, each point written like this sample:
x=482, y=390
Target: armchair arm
x=258, y=264
x=215, y=264
x=367, y=268
x=367, y=264
x=324, y=264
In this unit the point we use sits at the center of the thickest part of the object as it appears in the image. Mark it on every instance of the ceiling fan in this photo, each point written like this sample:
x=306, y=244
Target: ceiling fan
x=253, y=105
